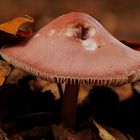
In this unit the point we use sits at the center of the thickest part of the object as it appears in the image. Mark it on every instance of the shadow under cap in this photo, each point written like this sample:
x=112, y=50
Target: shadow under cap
x=76, y=47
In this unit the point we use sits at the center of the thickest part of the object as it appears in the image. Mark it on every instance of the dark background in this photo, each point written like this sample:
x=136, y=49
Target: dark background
x=120, y=17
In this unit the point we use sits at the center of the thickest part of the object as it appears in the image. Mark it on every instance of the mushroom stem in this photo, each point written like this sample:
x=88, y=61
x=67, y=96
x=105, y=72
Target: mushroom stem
x=69, y=105
x=60, y=91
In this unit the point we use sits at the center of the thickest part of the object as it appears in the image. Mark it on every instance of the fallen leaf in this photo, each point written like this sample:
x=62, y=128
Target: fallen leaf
x=83, y=92
x=3, y=135
x=13, y=26
x=2, y=79
x=124, y=92
x=104, y=134
x=16, y=137
x=108, y=133
x=15, y=75
x=133, y=45
x=4, y=71
x=15, y=30
x=24, y=34
x=136, y=86
x=62, y=133
x=117, y=134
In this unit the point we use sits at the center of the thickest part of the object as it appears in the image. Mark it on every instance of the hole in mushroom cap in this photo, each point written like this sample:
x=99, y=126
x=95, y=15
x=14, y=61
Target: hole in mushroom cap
x=84, y=32
x=81, y=30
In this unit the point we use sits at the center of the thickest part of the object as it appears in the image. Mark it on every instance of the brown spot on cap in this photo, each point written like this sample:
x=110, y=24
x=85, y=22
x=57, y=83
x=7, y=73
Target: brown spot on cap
x=82, y=32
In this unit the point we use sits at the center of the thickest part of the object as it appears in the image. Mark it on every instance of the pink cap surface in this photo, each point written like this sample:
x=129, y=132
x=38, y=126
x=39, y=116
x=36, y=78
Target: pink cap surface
x=76, y=47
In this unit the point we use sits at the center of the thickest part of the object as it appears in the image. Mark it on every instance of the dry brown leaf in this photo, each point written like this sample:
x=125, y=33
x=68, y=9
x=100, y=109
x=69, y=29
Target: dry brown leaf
x=117, y=134
x=4, y=71
x=133, y=45
x=44, y=85
x=15, y=30
x=62, y=133
x=2, y=79
x=13, y=26
x=3, y=135
x=108, y=133
x=136, y=86
x=83, y=92
x=124, y=92
x=104, y=134
x=15, y=75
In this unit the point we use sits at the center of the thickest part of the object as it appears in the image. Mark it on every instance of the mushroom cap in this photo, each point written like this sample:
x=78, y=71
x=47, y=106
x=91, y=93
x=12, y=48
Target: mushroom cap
x=74, y=47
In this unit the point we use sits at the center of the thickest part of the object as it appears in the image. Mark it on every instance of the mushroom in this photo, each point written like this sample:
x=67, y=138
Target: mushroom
x=75, y=48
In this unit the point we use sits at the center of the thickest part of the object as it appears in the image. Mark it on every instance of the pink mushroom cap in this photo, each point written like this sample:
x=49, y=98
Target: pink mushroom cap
x=72, y=47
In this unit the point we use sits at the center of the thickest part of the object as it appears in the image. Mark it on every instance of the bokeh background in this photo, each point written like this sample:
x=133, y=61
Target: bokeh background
x=120, y=17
